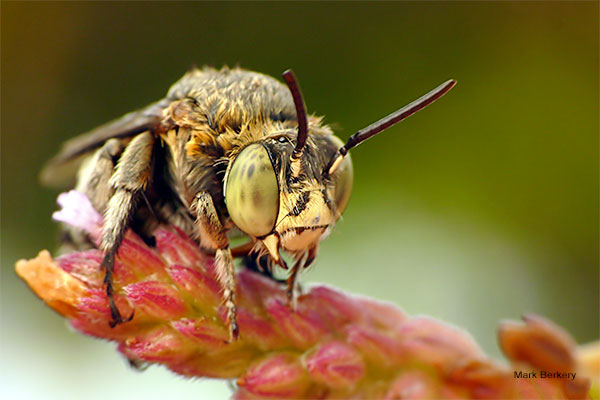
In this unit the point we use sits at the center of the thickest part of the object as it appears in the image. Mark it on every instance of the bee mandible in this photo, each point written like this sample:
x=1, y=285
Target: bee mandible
x=226, y=151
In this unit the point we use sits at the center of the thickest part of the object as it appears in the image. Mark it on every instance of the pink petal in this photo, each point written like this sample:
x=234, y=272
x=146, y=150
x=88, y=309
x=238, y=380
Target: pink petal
x=441, y=345
x=303, y=328
x=76, y=210
x=203, y=291
x=381, y=314
x=336, y=364
x=203, y=332
x=156, y=300
x=84, y=265
x=413, y=385
x=279, y=375
x=379, y=348
x=140, y=260
x=159, y=345
x=335, y=307
x=176, y=248
x=538, y=342
x=260, y=331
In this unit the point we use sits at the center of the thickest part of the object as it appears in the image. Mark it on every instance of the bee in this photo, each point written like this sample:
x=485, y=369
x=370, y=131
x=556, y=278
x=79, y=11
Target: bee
x=225, y=151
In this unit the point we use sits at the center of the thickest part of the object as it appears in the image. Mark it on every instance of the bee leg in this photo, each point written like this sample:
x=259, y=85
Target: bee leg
x=304, y=261
x=92, y=181
x=291, y=283
x=213, y=233
x=138, y=365
x=132, y=175
x=226, y=275
x=261, y=265
x=242, y=250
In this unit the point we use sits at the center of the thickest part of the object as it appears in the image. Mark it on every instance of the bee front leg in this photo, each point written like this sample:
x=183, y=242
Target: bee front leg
x=304, y=261
x=291, y=283
x=132, y=175
x=213, y=234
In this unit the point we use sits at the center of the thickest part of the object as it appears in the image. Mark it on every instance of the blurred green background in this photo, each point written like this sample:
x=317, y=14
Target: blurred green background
x=480, y=208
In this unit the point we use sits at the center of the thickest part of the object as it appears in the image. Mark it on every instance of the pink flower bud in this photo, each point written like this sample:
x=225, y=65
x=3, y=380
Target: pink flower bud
x=336, y=364
x=204, y=332
x=278, y=375
x=377, y=347
x=413, y=385
x=161, y=344
x=200, y=289
x=546, y=347
x=138, y=258
x=260, y=331
x=334, y=345
x=381, y=314
x=84, y=266
x=176, y=248
x=426, y=340
x=156, y=300
x=334, y=307
x=302, y=326
x=252, y=285
x=538, y=342
x=481, y=378
x=94, y=316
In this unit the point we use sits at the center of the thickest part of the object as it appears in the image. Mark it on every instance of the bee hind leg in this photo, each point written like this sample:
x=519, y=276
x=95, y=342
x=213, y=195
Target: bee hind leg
x=132, y=175
x=107, y=265
x=92, y=180
x=213, y=234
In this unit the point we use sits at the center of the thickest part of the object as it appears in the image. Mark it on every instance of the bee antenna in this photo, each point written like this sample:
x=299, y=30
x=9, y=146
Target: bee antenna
x=292, y=82
x=389, y=121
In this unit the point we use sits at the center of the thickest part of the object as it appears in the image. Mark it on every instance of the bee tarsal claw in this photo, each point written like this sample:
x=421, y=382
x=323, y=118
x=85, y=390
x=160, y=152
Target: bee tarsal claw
x=117, y=319
x=130, y=316
x=234, y=331
x=115, y=314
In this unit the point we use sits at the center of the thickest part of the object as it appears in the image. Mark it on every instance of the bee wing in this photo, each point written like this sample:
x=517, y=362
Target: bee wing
x=61, y=170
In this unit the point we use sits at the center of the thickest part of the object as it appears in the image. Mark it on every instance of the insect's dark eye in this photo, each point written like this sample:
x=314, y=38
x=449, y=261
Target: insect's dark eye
x=252, y=191
x=282, y=139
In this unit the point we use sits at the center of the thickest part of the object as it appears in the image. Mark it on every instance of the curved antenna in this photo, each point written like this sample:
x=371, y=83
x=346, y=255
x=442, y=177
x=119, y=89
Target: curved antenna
x=389, y=121
x=292, y=82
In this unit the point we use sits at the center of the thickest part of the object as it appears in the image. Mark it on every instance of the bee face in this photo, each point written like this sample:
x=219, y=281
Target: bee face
x=282, y=202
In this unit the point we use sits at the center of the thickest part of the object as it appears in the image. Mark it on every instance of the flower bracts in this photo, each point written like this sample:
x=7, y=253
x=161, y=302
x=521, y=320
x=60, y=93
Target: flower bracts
x=334, y=345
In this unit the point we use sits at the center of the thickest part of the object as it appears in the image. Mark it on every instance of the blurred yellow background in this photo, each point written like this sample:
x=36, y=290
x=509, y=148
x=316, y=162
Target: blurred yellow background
x=482, y=207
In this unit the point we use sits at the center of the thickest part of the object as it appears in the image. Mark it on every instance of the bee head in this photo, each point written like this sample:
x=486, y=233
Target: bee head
x=288, y=189
x=283, y=203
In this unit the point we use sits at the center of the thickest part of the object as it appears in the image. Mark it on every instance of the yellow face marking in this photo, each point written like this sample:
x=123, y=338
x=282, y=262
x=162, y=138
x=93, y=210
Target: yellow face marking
x=299, y=231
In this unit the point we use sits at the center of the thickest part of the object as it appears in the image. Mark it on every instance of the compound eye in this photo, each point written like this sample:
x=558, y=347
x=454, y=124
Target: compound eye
x=343, y=178
x=252, y=191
